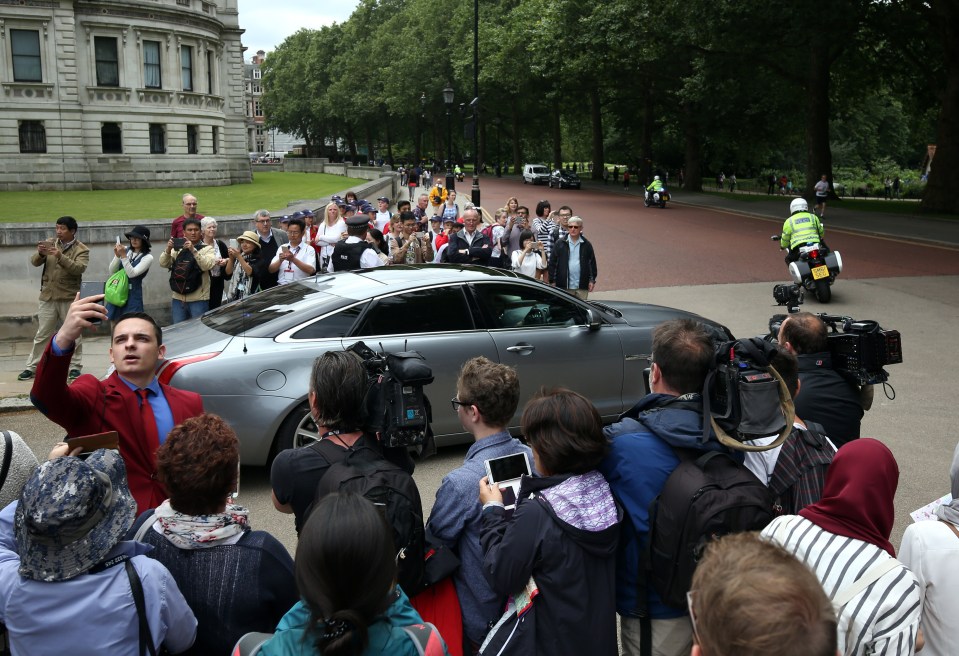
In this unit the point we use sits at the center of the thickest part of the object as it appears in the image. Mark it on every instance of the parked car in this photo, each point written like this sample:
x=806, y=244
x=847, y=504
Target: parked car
x=535, y=174
x=564, y=179
x=251, y=359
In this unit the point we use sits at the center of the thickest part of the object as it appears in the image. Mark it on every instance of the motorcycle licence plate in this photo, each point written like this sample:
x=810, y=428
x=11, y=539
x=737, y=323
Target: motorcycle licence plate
x=820, y=272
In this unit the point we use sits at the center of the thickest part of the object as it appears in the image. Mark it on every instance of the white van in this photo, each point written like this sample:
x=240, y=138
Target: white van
x=535, y=174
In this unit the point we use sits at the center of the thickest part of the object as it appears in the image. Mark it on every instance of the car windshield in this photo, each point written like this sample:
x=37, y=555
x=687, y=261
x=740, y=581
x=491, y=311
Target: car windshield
x=538, y=169
x=270, y=312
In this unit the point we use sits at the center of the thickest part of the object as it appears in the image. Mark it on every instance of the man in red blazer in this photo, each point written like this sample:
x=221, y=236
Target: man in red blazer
x=89, y=406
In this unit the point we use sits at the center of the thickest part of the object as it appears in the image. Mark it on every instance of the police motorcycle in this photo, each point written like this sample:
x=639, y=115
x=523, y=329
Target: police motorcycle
x=816, y=265
x=656, y=198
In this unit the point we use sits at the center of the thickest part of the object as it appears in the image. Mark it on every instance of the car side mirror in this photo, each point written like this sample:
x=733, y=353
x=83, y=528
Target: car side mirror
x=593, y=321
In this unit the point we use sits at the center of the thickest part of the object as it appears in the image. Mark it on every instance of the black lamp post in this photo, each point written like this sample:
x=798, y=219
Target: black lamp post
x=448, y=101
x=422, y=124
x=475, y=105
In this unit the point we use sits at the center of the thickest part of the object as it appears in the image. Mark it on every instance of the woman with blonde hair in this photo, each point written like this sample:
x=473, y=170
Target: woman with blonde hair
x=332, y=230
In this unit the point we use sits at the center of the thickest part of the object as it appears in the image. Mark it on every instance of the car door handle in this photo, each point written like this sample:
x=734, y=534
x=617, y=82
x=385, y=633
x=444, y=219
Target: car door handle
x=521, y=348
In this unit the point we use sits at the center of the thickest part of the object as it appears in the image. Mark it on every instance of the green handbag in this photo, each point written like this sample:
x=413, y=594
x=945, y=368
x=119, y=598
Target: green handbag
x=117, y=288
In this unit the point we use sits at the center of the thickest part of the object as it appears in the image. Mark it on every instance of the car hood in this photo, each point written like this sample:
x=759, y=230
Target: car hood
x=646, y=314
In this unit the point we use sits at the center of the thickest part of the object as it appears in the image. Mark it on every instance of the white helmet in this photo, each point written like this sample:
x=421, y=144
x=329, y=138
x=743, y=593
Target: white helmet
x=655, y=177
x=798, y=205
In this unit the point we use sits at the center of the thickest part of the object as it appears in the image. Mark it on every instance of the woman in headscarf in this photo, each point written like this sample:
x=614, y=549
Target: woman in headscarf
x=931, y=551
x=844, y=539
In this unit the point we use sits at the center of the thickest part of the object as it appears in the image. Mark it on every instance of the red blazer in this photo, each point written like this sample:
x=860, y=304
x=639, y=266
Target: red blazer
x=91, y=406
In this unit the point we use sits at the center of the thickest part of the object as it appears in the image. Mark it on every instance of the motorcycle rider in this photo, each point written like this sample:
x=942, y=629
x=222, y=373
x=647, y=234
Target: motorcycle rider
x=801, y=228
x=654, y=187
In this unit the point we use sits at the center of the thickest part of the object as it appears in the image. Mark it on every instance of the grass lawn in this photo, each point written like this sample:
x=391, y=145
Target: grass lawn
x=270, y=190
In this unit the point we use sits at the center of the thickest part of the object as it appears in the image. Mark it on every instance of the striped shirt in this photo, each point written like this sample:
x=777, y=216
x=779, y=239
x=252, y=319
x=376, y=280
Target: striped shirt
x=884, y=618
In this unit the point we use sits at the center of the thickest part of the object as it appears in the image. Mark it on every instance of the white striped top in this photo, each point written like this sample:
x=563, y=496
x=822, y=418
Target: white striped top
x=884, y=618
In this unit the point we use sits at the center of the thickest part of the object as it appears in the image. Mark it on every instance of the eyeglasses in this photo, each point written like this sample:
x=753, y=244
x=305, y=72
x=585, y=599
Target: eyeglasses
x=457, y=404
x=692, y=615
x=574, y=226
x=264, y=220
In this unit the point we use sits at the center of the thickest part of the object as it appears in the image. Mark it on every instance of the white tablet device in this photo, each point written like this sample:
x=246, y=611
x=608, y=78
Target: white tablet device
x=506, y=472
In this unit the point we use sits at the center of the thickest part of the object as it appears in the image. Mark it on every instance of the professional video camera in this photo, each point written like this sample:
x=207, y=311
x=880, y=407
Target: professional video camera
x=395, y=405
x=859, y=352
x=745, y=398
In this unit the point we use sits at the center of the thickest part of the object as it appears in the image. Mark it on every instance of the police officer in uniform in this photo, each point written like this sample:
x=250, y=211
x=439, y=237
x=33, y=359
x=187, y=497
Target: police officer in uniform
x=354, y=252
x=801, y=228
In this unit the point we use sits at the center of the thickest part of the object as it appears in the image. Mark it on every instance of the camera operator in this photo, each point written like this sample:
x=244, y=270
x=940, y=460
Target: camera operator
x=338, y=386
x=827, y=397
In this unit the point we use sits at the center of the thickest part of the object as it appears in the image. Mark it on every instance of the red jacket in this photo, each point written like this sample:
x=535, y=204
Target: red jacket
x=90, y=406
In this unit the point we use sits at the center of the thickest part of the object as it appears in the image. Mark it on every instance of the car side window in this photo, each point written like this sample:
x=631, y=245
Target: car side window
x=521, y=306
x=438, y=309
x=337, y=324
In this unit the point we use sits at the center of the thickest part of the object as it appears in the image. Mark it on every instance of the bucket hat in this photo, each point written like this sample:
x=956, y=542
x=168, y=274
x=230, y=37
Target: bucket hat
x=250, y=236
x=72, y=512
x=140, y=232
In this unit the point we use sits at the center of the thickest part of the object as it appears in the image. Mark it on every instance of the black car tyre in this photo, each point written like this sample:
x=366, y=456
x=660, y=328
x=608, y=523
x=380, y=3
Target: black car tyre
x=298, y=429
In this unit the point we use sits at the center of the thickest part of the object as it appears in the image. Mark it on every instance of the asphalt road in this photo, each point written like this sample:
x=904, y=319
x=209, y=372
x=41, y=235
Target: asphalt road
x=722, y=265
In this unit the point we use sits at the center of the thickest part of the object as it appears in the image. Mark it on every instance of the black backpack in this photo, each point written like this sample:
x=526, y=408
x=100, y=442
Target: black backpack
x=800, y=472
x=707, y=496
x=364, y=471
x=185, y=274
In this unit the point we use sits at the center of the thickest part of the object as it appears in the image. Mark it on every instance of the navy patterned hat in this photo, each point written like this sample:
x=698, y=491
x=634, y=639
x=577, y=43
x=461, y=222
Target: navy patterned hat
x=72, y=512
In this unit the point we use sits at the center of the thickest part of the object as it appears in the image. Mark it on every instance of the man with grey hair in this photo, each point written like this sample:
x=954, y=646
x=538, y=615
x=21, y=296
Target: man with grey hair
x=270, y=240
x=469, y=246
x=189, y=212
x=572, y=264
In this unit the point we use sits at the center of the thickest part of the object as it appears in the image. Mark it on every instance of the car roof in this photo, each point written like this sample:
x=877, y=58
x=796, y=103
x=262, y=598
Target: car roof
x=409, y=275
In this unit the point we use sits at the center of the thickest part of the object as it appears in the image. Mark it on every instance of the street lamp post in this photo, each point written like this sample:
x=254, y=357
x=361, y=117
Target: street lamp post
x=422, y=124
x=475, y=105
x=448, y=101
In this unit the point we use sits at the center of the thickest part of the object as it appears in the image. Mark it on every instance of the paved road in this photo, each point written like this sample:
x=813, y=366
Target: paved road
x=722, y=266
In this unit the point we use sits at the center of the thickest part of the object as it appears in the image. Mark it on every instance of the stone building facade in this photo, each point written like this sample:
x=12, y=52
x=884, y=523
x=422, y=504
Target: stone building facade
x=119, y=94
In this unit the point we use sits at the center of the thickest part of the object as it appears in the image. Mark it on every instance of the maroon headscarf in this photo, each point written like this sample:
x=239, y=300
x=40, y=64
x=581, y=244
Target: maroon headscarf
x=857, y=498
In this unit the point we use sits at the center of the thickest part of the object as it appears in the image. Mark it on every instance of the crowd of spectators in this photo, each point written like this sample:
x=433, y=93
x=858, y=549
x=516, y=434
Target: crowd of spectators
x=141, y=547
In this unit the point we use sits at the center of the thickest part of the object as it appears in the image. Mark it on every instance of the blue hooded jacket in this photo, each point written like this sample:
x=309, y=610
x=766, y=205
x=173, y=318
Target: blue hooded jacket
x=640, y=460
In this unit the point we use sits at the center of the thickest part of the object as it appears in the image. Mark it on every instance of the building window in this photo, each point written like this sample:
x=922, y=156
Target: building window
x=151, y=65
x=256, y=73
x=111, y=138
x=259, y=130
x=108, y=66
x=25, y=45
x=157, y=139
x=186, y=67
x=191, y=140
x=33, y=137
x=256, y=88
x=257, y=110
x=209, y=71
x=216, y=140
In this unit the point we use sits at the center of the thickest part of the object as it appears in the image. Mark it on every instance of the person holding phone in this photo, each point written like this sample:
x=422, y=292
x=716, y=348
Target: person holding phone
x=189, y=262
x=135, y=260
x=487, y=395
x=528, y=259
x=64, y=258
x=564, y=532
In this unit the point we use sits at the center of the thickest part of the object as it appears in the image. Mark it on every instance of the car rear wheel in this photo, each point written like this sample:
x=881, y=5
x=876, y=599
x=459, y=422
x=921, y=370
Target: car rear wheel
x=298, y=429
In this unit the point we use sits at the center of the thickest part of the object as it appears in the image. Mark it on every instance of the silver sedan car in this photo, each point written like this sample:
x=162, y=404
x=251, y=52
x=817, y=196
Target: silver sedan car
x=251, y=360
